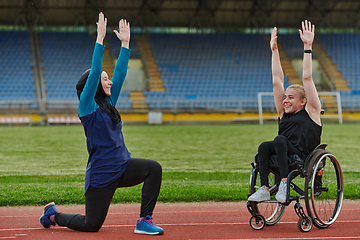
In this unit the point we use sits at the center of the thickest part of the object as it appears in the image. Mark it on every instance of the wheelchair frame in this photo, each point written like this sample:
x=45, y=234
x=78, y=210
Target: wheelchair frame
x=318, y=189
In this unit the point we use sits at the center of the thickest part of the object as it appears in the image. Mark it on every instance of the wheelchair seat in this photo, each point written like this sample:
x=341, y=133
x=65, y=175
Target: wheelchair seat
x=295, y=162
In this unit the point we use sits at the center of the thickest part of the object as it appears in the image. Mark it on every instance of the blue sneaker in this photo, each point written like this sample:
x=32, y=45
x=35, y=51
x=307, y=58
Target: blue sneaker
x=49, y=210
x=145, y=225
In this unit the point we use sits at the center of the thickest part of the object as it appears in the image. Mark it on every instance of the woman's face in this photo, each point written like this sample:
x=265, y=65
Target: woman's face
x=293, y=102
x=106, y=83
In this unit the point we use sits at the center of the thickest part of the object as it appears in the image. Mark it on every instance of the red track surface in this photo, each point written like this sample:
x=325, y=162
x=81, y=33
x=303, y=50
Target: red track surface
x=180, y=221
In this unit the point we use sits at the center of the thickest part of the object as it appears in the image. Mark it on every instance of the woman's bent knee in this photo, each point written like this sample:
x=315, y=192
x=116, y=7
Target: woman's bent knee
x=280, y=138
x=156, y=167
x=93, y=228
x=265, y=147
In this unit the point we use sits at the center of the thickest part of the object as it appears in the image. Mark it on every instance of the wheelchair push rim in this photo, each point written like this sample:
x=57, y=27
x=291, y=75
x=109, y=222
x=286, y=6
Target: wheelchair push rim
x=324, y=194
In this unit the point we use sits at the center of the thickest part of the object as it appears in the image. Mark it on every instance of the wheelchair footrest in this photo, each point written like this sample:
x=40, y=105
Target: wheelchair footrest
x=299, y=210
x=251, y=209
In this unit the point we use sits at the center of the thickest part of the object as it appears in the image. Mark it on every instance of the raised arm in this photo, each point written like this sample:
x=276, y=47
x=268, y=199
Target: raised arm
x=101, y=29
x=313, y=105
x=86, y=101
x=122, y=63
x=277, y=74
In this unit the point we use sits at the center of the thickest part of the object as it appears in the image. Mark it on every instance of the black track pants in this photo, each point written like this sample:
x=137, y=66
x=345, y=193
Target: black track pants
x=282, y=148
x=98, y=199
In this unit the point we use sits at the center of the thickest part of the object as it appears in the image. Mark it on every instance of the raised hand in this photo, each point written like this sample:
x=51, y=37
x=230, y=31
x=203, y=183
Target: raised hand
x=101, y=28
x=307, y=34
x=273, y=41
x=124, y=32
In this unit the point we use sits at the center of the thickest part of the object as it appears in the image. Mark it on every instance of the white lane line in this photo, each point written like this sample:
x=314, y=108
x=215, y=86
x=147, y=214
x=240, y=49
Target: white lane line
x=170, y=224
x=165, y=212
x=12, y=237
x=137, y=212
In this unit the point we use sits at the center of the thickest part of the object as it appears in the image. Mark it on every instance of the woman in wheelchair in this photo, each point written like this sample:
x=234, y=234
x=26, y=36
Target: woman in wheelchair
x=299, y=118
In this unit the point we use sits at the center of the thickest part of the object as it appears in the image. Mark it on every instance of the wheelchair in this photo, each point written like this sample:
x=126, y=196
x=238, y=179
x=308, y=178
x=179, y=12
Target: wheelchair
x=322, y=192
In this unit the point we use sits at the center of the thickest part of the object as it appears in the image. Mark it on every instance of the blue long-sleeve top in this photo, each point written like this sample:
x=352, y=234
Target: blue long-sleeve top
x=108, y=155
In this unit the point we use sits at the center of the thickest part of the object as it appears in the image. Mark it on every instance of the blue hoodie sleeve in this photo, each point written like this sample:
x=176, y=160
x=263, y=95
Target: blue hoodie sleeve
x=119, y=74
x=87, y=104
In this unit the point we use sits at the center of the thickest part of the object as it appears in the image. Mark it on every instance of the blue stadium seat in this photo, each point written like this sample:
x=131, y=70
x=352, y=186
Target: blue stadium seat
x=211, y=66
x=17, y=82
x=344, y=50
x=65, y=57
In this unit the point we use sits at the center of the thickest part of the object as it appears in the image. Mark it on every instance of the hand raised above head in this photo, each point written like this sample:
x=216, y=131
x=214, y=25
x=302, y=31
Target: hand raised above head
x=101, y=27
x=273, y=40
x=308, y=32
x=124, y=31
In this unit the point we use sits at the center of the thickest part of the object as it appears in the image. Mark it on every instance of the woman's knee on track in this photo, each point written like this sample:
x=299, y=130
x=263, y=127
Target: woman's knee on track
x=94, y=227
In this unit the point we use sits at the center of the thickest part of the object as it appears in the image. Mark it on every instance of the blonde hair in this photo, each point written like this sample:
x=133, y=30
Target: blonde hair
x=300, y=90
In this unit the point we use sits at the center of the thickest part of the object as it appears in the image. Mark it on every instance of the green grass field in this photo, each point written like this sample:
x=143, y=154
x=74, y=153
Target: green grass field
x=200, y=162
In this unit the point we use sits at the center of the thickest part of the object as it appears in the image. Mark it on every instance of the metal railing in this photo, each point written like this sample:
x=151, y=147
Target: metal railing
x=10, y=110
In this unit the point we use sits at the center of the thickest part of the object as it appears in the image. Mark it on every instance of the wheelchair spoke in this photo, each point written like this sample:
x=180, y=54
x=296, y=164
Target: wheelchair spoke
x=324, y=190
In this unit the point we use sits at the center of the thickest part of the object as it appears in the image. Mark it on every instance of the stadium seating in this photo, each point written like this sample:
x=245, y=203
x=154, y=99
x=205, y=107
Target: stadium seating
x=200, y=71
x=65, y=56
x=292, y=45
x=17, y=82
x=115, y=46
x=344, y=51
x=211, y=70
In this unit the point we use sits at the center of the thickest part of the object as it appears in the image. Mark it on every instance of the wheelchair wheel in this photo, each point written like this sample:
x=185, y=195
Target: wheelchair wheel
x=257, y=222
x=305, y=224
x=324, y=189
x=272, y=210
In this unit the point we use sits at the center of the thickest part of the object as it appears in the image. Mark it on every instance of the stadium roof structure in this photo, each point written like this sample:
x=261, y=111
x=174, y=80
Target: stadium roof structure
x=215, y=14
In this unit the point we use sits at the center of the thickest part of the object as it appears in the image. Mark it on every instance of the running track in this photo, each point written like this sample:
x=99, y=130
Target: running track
x=180, y=221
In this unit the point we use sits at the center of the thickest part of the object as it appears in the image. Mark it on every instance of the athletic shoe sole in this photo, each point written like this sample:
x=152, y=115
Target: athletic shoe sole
x=149, y=233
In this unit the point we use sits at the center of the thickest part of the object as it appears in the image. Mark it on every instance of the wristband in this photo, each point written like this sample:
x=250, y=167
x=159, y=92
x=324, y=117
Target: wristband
x=307, y=51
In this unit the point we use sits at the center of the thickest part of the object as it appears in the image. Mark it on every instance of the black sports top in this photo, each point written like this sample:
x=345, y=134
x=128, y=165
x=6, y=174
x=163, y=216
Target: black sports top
x=301, y=131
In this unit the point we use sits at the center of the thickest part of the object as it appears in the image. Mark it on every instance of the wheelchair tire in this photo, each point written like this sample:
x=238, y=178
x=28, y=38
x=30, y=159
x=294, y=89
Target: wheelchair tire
x=272, y=211
x=257, y=222
x=305, y=224
x=324, y=189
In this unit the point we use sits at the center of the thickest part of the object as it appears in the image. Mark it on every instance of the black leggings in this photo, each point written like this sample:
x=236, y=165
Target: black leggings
x=282, y=148
x=98, y=199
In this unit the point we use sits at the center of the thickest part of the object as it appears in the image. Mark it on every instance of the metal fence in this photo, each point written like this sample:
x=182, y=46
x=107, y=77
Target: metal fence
x=14, y=111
